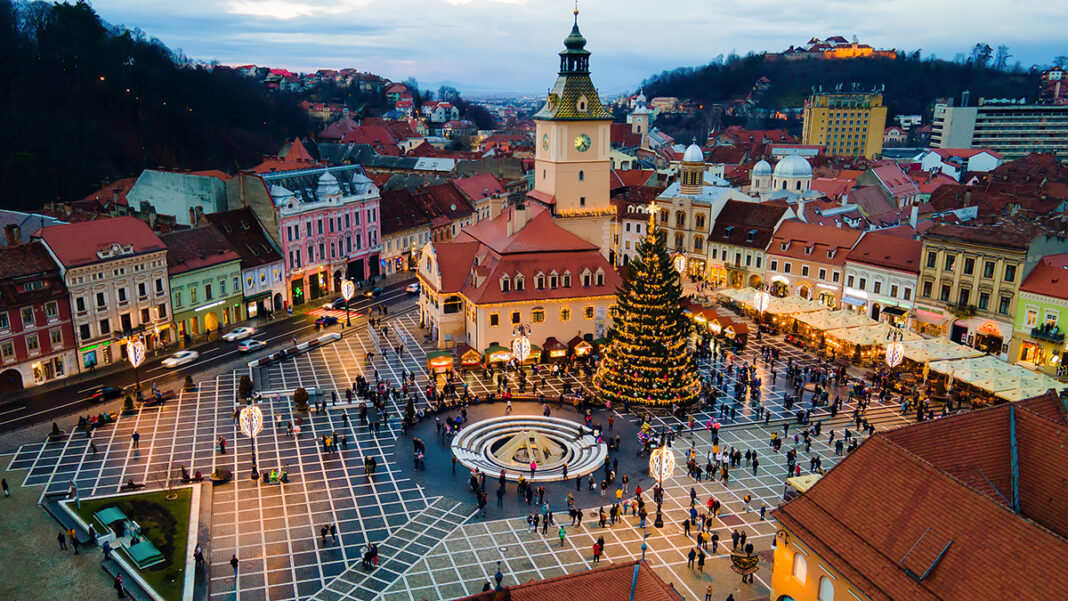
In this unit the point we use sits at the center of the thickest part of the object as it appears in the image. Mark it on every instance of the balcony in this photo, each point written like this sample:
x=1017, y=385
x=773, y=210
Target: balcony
x=1048, y=333
x=962, y=311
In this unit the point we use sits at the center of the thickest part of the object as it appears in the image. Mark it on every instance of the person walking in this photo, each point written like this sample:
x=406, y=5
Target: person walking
x=119, y=588
x=700, y=560
x=596, y=553
x=708, y=592
x=136, y=439
x=690, y=557
x=62, y=538
x=562, y=535
x=233, y=564
x=333, y=532
x=3, y=483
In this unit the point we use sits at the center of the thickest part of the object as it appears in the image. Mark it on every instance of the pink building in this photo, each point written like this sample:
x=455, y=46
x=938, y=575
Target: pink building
x=324, y=219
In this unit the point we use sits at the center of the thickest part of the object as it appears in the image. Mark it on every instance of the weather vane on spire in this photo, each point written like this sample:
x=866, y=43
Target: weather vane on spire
x=576, y=12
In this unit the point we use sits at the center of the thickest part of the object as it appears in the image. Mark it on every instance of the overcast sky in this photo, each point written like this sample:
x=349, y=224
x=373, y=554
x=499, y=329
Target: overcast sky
x=511, y=45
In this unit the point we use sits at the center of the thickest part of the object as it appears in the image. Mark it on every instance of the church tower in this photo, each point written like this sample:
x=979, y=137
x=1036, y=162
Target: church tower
x=572, y=165
x=639, y=117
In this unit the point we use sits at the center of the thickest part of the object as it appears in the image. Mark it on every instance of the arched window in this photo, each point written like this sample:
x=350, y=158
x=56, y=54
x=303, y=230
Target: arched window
x=784, y=185
x=664, y=216
x=678, y=241
x=698, y=243
x=699, y=222
x=582, y=176
x=798, y=184
x=800, y=567
x=453, y=304
x=826, y=589
x=680, y=219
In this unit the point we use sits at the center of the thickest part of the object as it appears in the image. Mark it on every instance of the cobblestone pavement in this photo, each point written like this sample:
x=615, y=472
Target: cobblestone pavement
x=431, y=545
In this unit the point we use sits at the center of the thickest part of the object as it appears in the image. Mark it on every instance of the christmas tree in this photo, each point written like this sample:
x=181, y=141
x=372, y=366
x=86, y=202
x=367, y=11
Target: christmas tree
x=646, y=360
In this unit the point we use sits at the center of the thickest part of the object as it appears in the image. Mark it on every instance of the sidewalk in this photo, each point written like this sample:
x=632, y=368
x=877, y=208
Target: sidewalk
x=37, y=568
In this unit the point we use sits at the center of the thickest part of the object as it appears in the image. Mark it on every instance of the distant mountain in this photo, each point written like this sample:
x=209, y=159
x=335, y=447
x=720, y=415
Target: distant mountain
x=911, y=83
x=81, y=101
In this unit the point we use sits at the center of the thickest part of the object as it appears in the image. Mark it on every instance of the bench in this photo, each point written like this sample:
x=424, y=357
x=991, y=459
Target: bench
x=159, y=400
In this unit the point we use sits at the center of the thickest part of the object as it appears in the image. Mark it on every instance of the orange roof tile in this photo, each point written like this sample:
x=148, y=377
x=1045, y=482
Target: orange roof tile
x=611, y=583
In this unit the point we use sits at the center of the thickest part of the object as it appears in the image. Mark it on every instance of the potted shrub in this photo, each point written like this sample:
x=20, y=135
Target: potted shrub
x=189, y=383
x=300, y=400
x=127, y=405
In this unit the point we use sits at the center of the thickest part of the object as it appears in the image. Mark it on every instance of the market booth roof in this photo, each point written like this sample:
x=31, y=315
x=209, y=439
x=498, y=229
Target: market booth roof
x=873, y=335
x=937, y=349
x=833, y=320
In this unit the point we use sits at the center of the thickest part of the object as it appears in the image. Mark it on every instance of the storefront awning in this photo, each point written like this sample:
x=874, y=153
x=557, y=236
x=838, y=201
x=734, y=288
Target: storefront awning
x=937, y=319
x=893, y=310
x=256, y=297
x=852, y=300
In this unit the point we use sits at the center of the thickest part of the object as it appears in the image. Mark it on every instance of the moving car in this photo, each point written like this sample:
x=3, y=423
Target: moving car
x=337, y=303
x=372, y=293
x=103, y=393
x=412, y=288
x=246, y=346
x=326, y=320
x=181, y=358
x=239, y=334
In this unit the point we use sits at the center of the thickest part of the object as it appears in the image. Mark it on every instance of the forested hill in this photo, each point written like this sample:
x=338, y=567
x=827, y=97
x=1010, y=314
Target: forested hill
x=911, y=83
x=81, y=102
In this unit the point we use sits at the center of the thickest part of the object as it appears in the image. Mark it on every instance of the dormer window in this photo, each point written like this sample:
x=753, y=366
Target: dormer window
x=581, y=104
x=553, y=281
x=730, y=230
x=830, y=254
x=567, y=279
x=600, y=277
x=784, y=245
x=750, y=235
x=808, y=250
x=518, y=283
x=539, y=282
x=506, y=284
x=587, y=278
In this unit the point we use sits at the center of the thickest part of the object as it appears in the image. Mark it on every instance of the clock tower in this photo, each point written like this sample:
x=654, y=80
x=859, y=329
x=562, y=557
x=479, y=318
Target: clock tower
x=572, y=165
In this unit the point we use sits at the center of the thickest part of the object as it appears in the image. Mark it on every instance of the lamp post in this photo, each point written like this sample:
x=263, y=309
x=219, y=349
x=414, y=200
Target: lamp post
x=251, y=421
x=135, y=354
x=661, y=464
x=348, y=289
x=761, y=300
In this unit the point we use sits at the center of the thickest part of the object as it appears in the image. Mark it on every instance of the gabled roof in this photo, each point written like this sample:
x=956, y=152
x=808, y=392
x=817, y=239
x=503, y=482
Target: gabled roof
x=76, y=244
x=25, y=259
x=738, y=219
x=896, y=182
x=630, y=177
x=891, y=252
x=964, y=153
x=943, y=508
x=541, y=234
x=1016, y=235
x=477, y=187
x=197, y=248
x=820, y=238
x=1049, y=277
x=110, y=192
x=246, y=236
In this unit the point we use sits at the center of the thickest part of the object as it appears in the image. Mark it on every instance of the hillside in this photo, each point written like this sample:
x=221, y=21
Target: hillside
x=911, y=83
x=82, y=102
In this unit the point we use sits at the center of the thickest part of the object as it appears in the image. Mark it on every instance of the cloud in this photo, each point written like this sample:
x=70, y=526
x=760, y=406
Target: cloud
x=511, y=45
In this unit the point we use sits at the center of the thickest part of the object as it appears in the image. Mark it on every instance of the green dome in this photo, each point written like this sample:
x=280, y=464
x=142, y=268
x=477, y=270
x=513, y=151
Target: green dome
x=574, y=40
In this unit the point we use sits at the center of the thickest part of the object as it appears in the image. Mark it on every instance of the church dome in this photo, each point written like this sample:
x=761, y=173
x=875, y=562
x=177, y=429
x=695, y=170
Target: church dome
x=793, y=165
x=641, y=96
x=762, y=168
x=693, y=154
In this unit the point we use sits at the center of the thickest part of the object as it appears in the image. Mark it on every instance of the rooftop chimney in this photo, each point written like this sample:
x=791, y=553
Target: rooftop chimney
x=914, y=216
x=12, y=235
x=518, y=218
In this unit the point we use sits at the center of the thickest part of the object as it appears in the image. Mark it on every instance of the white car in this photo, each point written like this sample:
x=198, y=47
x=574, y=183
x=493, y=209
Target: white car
x=247, y=346
x=181, y=358
x=239, y=334
x=412, y=288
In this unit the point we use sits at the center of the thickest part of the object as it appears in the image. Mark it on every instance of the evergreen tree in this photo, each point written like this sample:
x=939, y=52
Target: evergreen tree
x=646, y=360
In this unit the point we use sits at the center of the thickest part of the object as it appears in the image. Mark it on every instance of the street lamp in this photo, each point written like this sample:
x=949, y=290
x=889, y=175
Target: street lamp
x=135, y=354
x=761, y=300
x=348, y=289
x=661, y=464
x=251, y=421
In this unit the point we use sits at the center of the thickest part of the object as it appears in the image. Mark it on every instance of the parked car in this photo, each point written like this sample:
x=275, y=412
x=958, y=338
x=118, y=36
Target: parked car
x=372, y=293
x=181, y=358
x=412, y=288
x=249, y=345
x=103, y=393
x=239, y=334
x=337, y=303
x=326, y=320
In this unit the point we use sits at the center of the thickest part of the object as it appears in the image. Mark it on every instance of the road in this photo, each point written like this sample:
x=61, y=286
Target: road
x=215, y=357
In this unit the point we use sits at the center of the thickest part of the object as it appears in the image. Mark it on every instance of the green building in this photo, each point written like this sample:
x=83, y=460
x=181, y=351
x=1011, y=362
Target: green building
x=1038, y=340
x=205, y=281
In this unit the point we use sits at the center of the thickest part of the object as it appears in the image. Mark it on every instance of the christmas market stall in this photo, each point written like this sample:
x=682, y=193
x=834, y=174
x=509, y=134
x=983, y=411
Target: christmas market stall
x=580, y=349
x=467, y=357
x=439, y=362
x=554, y=351
x=497, y=355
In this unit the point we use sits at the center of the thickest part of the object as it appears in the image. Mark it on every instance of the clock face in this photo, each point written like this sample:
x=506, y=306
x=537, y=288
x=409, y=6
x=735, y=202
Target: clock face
x=545, y=142
x=582, y=143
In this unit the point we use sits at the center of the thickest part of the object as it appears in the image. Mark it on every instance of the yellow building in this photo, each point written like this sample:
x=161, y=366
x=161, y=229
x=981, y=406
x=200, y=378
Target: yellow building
x=846, y=124
x=572, y=163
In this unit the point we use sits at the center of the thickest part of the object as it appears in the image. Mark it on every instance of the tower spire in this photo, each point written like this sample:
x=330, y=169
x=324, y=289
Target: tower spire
x=576, y=12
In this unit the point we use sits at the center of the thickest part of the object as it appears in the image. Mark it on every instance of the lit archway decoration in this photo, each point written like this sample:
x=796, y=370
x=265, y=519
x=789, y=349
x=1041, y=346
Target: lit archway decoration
x=348, y=289
x=679, y=261
x=135, y=353
x=761, y=300
x=895, y=352
x=521, y=348
x=661, y=463
x=251, y=421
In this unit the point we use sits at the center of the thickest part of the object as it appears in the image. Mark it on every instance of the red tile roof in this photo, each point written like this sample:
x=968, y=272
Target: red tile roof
x=895, y=180
x=375, y=135
x=965, y=153
x=891, y=252
x=623, y=137
x=744, y=217
x=25, y=259
x=108, y=193
x=197, y=248
x=1049, y=277
x=630, y=177
x=77, y=244
x=933, y=499
x=822, y=239
x=832, y=187
x=245, y=235
x=296, y=151
x=477, y=187
x=1016, y=235
x=611, y=582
